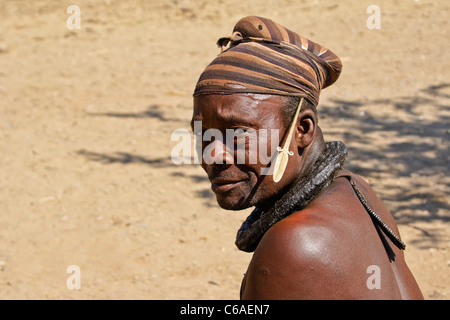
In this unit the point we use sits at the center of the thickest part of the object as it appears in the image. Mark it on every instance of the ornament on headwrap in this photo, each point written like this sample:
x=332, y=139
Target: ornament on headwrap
x=264, y=57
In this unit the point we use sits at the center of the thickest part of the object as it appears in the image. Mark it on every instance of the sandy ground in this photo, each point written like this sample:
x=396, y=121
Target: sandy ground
x=86, y=120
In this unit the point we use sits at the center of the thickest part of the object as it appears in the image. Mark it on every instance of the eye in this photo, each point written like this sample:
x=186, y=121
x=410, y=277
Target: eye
x=242, y=136
x=243, y=131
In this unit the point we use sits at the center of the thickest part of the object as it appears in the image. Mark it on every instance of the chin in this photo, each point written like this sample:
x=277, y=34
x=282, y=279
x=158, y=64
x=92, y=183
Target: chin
x=230, y=203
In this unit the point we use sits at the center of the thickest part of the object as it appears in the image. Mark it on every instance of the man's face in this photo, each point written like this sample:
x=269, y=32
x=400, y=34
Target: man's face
x=241, y=182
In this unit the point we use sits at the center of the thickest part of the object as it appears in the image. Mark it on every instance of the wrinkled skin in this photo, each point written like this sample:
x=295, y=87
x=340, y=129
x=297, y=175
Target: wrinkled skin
x=327, y=250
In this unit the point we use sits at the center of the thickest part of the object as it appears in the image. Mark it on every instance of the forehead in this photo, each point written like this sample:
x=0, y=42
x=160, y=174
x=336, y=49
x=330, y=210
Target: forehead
x=247, y=108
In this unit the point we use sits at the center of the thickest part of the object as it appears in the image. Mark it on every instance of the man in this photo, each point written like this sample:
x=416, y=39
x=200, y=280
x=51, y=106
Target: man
x=317, y=231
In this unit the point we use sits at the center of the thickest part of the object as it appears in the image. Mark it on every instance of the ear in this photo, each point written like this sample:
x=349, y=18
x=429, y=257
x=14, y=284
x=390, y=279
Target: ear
x=306, y=128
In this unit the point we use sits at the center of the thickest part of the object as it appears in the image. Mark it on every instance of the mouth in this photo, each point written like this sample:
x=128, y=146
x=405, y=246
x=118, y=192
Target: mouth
x=222, y=186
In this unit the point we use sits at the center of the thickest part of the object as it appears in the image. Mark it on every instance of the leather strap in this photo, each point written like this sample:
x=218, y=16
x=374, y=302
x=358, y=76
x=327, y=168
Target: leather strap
x=375, y=217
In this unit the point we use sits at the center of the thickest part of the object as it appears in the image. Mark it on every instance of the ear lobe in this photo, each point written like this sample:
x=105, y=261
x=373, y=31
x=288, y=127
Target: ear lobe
x=306, y=128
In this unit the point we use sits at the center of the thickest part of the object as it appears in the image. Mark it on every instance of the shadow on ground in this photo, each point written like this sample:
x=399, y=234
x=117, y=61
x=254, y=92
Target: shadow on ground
x=414, y=148
x=154, y=111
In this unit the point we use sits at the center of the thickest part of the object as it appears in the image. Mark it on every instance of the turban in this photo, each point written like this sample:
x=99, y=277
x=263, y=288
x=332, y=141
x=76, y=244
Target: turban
x=265, y=57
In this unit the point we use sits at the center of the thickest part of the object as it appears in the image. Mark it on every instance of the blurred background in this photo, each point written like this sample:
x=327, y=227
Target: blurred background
x=87, y=114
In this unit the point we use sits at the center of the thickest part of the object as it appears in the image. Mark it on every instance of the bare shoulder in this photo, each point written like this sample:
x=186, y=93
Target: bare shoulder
x=321, y=253
x=328, y=251
x=302, y=257
x=307, y=236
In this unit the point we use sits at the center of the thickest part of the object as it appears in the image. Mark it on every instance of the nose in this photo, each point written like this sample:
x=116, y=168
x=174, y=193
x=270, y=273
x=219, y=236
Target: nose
x=217, y=152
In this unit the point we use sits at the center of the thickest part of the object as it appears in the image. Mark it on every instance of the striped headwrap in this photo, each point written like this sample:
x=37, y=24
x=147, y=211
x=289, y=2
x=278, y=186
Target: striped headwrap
x=265, y=57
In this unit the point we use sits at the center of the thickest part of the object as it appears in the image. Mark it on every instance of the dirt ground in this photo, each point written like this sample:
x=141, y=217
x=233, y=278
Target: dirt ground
x=87, y=115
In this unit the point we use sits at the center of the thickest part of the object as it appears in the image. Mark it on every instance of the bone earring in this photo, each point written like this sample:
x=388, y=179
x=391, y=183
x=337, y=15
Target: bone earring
x=284, y=153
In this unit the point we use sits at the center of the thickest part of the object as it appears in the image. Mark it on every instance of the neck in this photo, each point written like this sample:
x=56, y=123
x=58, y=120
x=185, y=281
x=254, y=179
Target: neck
x=311, y=154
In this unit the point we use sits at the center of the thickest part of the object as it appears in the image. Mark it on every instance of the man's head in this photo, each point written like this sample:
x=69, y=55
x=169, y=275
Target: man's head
x=239, y=185
x=256, y=84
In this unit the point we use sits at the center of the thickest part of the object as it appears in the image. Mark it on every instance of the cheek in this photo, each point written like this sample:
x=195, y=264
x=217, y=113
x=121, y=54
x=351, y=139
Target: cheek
x=259, y=150
x=266, y=187
x=258, y=189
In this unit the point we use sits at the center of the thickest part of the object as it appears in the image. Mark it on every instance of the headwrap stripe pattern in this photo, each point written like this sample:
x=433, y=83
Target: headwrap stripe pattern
x=250, y=78
x=265, y=57
x=255, y=61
